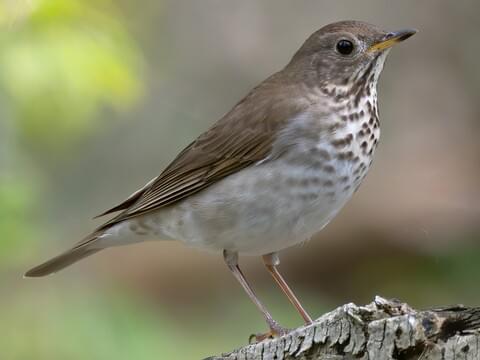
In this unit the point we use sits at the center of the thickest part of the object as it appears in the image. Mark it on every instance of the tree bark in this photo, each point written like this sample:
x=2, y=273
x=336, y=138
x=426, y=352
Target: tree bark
x=384, y=329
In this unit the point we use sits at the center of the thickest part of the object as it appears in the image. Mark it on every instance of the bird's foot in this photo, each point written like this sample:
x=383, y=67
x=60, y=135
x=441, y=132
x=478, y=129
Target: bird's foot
x=275, y=331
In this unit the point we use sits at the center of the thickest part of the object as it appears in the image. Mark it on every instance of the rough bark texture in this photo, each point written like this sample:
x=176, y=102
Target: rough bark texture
x=384, y=329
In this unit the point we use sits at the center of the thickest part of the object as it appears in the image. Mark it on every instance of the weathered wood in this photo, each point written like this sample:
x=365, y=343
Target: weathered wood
x=384, y=329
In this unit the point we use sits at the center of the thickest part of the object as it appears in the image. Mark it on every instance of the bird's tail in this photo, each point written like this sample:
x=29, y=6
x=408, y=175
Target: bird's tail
x=61, y=261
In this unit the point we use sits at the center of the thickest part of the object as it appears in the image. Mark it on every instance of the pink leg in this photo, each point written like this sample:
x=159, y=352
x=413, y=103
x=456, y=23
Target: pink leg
x=271, y=262
x=231, y=259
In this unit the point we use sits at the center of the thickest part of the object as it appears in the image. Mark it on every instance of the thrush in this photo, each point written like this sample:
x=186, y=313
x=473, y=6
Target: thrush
x=271, y=172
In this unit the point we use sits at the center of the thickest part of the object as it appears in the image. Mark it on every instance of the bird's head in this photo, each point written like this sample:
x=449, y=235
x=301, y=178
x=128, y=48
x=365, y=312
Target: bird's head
x=343, y=52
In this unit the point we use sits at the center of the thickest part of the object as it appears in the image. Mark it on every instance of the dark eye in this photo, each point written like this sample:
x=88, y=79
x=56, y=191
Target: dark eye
x=345, y=47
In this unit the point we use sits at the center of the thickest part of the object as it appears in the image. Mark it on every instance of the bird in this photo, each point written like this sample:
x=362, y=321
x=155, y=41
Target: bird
x=270, y=173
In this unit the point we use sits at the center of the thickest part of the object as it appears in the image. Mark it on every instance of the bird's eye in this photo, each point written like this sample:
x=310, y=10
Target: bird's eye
x=345, y=47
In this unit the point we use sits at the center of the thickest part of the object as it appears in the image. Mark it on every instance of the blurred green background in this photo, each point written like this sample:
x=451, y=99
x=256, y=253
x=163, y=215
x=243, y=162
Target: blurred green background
x=96, y=97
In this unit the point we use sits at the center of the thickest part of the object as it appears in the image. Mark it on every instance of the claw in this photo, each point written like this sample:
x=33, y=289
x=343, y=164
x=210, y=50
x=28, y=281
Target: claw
x=275, y=331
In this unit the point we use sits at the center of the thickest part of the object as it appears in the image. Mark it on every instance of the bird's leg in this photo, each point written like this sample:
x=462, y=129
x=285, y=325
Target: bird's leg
x=231, y=259
x=271, y=262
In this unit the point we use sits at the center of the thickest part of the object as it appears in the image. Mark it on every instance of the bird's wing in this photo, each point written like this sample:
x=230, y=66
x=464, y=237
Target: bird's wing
x=128, y=201
x=241, y=138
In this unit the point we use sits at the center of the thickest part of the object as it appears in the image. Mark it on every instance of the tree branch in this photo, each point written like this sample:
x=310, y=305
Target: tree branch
x=384, y=329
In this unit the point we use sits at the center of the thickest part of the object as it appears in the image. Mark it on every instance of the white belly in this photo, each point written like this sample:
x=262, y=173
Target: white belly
x=260, y=210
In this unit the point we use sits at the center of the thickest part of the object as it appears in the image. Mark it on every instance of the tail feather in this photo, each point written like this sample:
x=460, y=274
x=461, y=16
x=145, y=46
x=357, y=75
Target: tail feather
x=61, y=261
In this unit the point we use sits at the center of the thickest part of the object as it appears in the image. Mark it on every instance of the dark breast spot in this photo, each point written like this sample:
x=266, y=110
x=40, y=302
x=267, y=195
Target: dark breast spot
x=324, y=154
x=338, y=143
x=345, y=155
x=330, y=194
x=315, y=180
x=327, y=92
x=328, y=183
x=333, y=128
x=329, y=169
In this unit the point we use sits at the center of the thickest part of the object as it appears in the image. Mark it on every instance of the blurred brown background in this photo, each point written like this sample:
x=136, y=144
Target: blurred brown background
x=96, y=97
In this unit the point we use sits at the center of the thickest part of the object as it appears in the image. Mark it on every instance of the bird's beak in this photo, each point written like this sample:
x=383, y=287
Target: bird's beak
x=391, y=39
